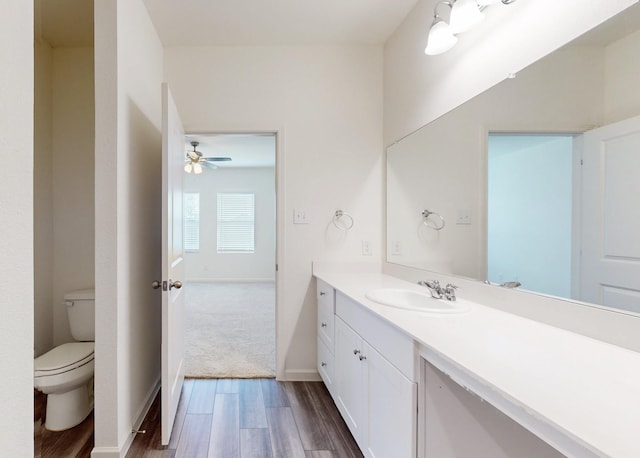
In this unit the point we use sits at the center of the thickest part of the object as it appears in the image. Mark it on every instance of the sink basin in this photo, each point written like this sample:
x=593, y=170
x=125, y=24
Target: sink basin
x=414, y=300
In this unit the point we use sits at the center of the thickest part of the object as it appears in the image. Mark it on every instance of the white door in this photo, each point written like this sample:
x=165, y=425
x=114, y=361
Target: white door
x=172, y=263
x=610, y=266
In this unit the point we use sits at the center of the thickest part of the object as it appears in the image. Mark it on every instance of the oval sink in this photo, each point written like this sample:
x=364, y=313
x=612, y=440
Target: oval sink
x=414, y=300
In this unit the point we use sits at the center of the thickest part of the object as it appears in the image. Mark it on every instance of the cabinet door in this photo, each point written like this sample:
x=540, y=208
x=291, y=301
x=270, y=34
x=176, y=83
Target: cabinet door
x=392, y=400
x=350, y=381
x=326, y=366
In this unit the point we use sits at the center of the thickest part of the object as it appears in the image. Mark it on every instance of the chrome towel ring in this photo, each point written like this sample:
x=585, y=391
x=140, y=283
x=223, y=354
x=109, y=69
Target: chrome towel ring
x=342, y=220
x=436, y=223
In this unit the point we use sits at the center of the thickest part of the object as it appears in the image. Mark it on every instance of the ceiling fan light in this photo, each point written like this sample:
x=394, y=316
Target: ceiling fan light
x=188, y=168
x=440, y=38
x=197, y=168
x=465, y=14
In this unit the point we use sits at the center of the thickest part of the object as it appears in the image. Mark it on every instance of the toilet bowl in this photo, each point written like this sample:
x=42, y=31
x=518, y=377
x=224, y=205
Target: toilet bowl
x=65, y=373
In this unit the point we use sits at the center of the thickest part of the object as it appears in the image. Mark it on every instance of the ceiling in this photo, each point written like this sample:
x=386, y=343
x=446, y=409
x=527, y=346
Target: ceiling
x=245, y=150
x=238, y=22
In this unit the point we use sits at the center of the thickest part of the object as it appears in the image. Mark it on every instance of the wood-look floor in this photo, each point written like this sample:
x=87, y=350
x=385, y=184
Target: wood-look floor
x=244, y=418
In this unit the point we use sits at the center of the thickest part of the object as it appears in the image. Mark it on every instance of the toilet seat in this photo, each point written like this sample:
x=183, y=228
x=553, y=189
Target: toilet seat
x=64, y=358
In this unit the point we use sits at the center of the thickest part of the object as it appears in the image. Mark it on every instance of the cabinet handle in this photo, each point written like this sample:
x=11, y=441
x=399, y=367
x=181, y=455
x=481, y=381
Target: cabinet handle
x=362, y=357
x=324, y=364
x=355, y=352
x=324, y=325
x=322, y=293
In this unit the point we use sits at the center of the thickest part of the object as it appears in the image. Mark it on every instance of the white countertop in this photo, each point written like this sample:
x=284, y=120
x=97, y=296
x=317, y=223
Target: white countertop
x=584, y=388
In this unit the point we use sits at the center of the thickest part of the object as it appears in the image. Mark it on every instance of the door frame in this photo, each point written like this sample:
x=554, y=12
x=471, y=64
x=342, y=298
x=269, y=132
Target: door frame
x=278, y=131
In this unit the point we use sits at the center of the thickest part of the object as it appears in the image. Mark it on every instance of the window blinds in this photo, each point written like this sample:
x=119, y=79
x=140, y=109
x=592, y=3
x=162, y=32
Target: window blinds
x=236, y=223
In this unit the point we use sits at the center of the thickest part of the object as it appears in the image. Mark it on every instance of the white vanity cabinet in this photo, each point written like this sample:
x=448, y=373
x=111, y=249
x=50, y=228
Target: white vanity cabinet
x=373, y=379
x=325, y=295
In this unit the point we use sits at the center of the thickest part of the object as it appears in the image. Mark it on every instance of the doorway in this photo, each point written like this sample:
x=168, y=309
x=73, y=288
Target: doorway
x=531, y=203
x=230, y=255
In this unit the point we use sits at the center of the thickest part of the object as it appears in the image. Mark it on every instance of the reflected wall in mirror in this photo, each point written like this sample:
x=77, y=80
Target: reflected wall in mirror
x=444, y=166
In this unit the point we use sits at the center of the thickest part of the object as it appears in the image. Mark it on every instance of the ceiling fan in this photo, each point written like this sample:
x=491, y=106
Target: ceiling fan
x=195, y=161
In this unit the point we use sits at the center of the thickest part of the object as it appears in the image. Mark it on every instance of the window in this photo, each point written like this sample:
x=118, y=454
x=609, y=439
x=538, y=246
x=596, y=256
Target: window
x=191, y=219
x=236, y=223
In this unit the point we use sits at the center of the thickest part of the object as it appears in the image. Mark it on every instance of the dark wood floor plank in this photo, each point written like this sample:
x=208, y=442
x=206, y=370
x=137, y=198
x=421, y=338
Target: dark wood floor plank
x=274, y=393
x=343, y=442
x=228, y=385
x=224, y=441
x=320, y=454
x=183, y=404
x=255, y=443
x=197, y=434
x=203, y=396
x=252, y=410
x=194, y=438
x=311, y=427
x=285, y=440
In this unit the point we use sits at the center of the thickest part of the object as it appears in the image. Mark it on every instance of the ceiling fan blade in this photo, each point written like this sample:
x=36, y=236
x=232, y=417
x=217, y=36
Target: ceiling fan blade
x=207, y=165
x=216, y=159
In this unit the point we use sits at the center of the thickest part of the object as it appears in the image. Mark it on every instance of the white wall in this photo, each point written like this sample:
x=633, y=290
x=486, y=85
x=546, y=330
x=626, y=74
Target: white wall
x=128, y=219
x=16, y=229
x=209, y=265
x=420, y=88
x=622, y=70
x=43, y=198
x=326, y=103
x=73, y=180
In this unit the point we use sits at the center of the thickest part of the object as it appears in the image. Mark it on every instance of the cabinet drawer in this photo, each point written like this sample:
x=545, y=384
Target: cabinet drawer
x=326, y=308
x=326, y=365
x=393, y=344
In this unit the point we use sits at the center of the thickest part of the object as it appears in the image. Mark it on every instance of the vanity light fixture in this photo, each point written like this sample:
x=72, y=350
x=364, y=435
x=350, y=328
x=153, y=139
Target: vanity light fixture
x=463, y=16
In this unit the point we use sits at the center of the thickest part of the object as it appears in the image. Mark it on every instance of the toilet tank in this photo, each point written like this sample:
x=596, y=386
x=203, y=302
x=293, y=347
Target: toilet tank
x=81, y=310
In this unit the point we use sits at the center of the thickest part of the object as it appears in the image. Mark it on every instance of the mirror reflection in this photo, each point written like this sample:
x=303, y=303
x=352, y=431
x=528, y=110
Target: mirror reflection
x=532, y=181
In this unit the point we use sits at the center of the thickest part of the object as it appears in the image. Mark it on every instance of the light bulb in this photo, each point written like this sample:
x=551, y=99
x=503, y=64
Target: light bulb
x=188, y=168
x=440, y=38
x=464, y=15
x=197, y=168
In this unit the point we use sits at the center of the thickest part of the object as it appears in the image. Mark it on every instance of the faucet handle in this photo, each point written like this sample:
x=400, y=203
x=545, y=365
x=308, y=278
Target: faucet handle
x=451, y=286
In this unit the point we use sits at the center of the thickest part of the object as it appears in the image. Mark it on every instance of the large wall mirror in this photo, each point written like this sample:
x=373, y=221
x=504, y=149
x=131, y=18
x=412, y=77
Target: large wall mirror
x=534, y=183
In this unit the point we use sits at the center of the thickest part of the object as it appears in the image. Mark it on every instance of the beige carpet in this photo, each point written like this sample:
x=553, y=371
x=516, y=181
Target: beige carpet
x=230, y=330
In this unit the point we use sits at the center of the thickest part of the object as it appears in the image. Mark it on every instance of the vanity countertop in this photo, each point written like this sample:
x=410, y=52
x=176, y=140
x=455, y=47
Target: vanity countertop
x=583, y=388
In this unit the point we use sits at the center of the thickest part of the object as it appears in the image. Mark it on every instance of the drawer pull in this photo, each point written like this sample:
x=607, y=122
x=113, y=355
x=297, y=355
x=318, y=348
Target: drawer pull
x=324, y=325
x=323, y=364
x=355, y=352
x=362, y=357
x=322, y=293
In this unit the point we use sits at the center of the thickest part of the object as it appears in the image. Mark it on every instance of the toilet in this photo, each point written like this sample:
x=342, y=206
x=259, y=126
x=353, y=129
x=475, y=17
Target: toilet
x=65, y=373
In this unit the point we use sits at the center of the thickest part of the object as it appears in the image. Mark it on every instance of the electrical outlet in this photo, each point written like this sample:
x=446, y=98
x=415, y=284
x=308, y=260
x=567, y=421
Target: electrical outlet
x=300, y=216
x=464, y=217
x=396, y=248
x=366, y=248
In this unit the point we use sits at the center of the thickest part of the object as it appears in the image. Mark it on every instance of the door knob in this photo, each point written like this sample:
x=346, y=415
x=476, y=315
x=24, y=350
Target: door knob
x=175, y=284
x=156, y=284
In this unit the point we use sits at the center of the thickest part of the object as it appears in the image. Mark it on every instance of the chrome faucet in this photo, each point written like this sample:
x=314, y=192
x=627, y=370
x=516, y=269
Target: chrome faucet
x=438, y=292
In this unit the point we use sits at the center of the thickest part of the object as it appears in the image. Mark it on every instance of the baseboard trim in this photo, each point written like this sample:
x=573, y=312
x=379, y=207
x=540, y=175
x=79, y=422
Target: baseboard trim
x=121, y=452
x=302, y=375
x=230, y=280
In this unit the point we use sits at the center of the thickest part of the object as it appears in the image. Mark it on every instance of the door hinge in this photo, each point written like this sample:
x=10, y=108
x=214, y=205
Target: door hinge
x=581, y=161
x=276, y=267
